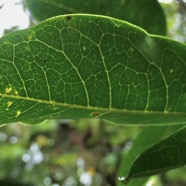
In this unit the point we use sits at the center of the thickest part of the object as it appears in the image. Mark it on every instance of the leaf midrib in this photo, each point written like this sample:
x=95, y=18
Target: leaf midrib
x=110, y=110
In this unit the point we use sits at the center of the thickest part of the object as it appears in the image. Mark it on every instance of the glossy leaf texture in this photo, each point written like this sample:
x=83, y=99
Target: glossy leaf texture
x=146, y=14
x=85, y=66
x=147, y=137
x=168, y=154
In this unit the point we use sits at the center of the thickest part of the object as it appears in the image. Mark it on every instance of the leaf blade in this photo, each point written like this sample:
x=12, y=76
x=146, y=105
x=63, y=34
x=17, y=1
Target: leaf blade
x=141, y=144
x=69, y=68
x=151, y=15
x=165, y=155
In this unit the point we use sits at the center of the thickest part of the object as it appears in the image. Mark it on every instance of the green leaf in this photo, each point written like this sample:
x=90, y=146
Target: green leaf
x=83, y=66
x=168, y=154
x=145, y=139
x=146, y=14
x=9, y=152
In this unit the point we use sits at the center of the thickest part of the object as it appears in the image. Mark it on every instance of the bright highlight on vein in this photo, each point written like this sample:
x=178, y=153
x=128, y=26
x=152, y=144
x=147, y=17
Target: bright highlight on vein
x=12, y=14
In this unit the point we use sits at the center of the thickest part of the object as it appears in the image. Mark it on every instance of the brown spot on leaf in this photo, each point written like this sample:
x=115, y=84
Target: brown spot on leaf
x=95, y=114
x=68, y=18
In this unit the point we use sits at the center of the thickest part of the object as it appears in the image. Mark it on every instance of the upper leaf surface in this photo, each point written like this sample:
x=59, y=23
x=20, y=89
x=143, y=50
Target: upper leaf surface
x=81, y=66
x=167, y=154
x=147, y=14
x=139, y=145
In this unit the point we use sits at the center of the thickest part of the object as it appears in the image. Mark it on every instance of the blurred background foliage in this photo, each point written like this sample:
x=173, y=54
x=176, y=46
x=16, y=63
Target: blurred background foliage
x=83, y=152
x=175, y=12
x=63, y=152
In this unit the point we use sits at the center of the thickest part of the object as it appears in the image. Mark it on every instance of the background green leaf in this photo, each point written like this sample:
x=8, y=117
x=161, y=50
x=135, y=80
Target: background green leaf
x=147, y=137
x=167, y=154
x=83, y=66
x=146, y=14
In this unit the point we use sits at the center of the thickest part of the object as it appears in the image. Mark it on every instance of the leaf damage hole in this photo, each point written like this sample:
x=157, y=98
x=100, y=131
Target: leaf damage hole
x=95, y=114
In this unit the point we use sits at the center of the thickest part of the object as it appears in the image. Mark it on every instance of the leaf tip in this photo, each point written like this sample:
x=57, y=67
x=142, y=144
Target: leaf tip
x=123, y=179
